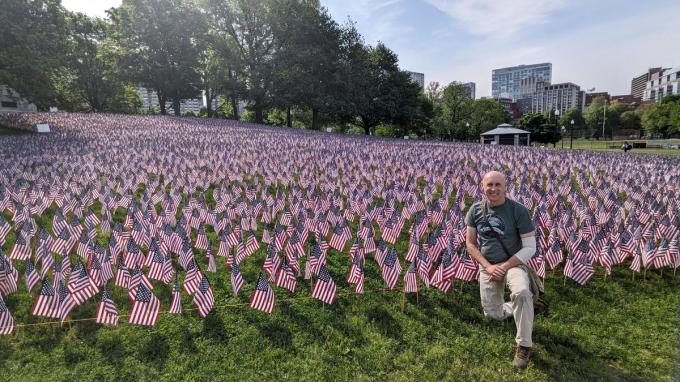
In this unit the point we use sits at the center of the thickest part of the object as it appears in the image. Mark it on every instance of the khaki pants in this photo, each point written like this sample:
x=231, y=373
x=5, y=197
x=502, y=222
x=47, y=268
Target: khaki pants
x=521, y=304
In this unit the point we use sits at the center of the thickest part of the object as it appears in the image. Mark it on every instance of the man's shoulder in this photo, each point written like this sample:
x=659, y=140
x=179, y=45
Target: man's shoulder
x=516, y=207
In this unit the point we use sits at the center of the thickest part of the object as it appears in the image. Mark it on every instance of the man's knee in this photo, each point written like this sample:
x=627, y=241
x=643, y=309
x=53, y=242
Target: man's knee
x=494, y=312
x=522, y=294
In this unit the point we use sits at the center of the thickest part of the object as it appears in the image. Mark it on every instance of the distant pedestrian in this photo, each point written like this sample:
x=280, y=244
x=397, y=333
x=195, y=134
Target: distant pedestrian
x=626, y=146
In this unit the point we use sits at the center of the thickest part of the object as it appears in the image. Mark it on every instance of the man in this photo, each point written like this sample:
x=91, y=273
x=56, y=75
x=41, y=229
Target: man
x=494, y=220
x=626, y=146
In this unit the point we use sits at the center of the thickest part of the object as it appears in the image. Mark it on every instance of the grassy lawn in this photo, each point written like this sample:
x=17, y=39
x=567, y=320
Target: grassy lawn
x=618, y=329
x=595, y=145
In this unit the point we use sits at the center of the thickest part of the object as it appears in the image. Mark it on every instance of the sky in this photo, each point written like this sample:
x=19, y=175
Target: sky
x=599, y=44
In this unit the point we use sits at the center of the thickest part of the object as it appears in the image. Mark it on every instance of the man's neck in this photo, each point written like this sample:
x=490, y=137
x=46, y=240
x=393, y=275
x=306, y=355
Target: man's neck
x=497, y=203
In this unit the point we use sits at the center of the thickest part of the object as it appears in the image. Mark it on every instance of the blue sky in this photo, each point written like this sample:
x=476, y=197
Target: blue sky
x=598, y=44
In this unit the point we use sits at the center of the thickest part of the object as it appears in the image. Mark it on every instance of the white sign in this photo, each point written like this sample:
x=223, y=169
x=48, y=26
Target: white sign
x=329, y=129
x=406, y=137
x=54, y=109
x=42, y=128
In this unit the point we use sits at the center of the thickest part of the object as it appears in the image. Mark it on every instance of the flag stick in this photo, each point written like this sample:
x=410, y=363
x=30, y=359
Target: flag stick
x=417, y=300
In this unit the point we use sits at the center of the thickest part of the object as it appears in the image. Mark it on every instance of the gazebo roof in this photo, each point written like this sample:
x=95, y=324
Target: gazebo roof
x=504, y=129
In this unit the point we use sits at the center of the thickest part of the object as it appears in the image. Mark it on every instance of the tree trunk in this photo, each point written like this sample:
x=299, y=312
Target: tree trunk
x=234, y=107
x=208, y=103
x=175, y=106
x=367, y=129
x=315, y=119
x=161, y=104
x=289, y=122
x=259, y=114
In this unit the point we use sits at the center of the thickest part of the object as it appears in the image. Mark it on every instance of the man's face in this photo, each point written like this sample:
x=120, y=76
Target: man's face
x=494, y=188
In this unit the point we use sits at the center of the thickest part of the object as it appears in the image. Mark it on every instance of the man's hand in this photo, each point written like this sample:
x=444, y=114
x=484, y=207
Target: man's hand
x=496, y=272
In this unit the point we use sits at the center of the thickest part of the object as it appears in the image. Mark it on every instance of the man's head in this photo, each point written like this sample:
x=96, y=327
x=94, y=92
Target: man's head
x=494, y=186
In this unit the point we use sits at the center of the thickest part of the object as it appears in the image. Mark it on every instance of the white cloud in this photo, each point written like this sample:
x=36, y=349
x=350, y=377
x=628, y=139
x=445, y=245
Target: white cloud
x=493, y=17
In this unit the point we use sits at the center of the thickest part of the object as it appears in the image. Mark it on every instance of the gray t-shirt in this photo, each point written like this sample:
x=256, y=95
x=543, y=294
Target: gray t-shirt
x=509, y=220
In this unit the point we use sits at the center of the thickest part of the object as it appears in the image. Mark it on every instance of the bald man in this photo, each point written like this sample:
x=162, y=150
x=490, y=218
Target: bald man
x=492, y=220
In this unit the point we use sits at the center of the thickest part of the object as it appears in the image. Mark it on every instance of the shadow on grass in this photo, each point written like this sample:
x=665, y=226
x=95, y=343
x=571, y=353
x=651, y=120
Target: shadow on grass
x=584, y=366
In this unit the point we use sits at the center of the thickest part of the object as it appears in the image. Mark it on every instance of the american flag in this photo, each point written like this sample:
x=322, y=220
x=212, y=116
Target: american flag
x=324, y=288
x=411, y=279
x=581, y=270
x=22, y=248
x=107, y=312
x=32, y=276
x=65, y=300
x=263, y=298
x=203, y=297
x=272, y=262
x=192, y=278
x=8, y=276
x=285, y=277
x=176, y=304
x=6, y=319
x=145, y=307
x=391, y=269
x=356, y=271
x=80, y=284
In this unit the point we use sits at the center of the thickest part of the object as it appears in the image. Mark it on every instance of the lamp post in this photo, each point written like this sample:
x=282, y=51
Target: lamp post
x=562, y=136
x=604, y=119
x=557, y=117
x=571, y=133
x=467, y=130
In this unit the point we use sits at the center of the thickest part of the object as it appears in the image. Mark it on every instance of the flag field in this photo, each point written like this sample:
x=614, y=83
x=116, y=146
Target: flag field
x=124, y=209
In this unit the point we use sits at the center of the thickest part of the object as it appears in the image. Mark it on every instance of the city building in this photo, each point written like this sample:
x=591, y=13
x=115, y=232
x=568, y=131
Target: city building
x=560, y=97
x=470, y=89
x=521, y=81
x=639, y=83
x=511, y=107
x=661, y=84
x=11, y=101
x=419, y=78
x=590, y=97
x=150, y=102
x=626, y=98
x=505, y=134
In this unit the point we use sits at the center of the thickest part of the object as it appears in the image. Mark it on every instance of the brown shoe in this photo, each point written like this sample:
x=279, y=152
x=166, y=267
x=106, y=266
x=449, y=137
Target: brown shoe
x=522, y=356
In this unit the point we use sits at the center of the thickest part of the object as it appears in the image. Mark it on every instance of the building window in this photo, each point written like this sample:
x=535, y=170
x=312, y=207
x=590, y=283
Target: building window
x=9, y=104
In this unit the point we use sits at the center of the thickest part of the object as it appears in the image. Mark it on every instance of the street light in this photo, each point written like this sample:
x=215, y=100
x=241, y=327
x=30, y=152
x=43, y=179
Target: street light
x=562, y=136
x=467, y=130
x=557, y=117
x=571, y=133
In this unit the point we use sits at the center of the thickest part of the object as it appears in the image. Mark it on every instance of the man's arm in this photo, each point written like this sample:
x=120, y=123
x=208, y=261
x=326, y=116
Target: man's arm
x=495, y=271
x=524, y=254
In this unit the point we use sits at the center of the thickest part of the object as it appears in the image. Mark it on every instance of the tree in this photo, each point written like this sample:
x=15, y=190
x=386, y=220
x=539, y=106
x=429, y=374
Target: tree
x=93, y=76
x=456, y=113
x=487, y=114
x=663, y=118
x=541, y=130
x=579, y=125
x=32, y=48
x=307, y=59
x=631, y=123
x=247, y=26
x=595, y=116
x=160, y=46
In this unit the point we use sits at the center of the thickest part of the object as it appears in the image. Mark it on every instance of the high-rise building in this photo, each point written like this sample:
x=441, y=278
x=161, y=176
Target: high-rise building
x=519, y=82
x=419, y=78
x=661, y=84
x=639, y=83
x=470, y=89
x=560, y=97
x=150, y=102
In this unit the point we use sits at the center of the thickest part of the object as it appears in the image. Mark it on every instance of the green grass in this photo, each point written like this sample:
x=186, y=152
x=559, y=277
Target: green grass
x=618, y=329
x=595, y=145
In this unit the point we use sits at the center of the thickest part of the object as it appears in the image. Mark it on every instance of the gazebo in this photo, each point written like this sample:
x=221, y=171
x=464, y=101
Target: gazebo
x=505, y=134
